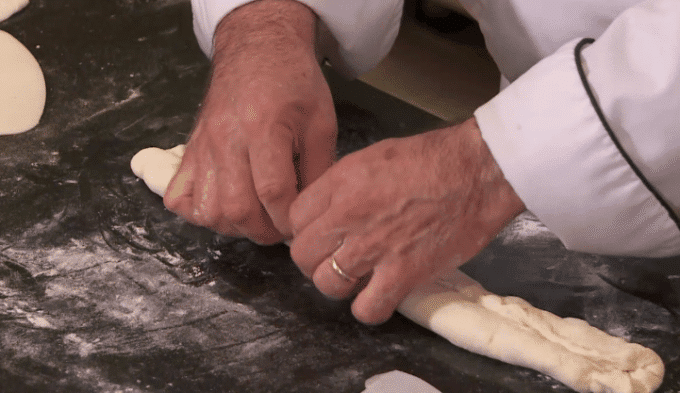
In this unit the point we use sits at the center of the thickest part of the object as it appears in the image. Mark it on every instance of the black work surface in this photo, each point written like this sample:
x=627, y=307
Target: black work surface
x=103, y=290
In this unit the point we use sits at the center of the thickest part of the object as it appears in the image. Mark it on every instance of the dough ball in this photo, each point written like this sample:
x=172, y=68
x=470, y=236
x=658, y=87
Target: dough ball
x=22, y=87
x=397, y=381
x=10, y=7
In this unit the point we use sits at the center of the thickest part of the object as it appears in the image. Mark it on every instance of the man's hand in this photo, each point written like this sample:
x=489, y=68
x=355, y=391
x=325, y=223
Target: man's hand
x=267, y=127
x=400, y=211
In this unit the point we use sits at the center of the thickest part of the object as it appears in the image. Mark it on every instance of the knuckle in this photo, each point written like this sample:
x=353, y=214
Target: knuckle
x=297, y=254
x=295, y=221
x=238, y=212
x=204, y=217
x=300, y=253
x=272, y=191
x=171, y=203
x=244, y=216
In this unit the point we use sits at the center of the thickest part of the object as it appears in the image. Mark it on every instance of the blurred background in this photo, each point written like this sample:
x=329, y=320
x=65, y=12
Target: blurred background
x=439, y=62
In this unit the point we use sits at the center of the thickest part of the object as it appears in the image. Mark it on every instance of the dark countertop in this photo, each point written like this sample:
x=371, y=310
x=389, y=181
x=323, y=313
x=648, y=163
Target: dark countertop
x=103, y=290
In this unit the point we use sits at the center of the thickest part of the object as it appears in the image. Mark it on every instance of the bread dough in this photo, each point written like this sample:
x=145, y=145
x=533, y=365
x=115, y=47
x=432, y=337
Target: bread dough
x=398, y=382
x=157, y=166
x=10, y=7
x=22, y=87
x=511, y=330
x=504, y=328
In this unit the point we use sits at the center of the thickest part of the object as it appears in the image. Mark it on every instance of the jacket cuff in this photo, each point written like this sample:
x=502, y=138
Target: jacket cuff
x=207, y=14
x=553, y=145
x=352, y=35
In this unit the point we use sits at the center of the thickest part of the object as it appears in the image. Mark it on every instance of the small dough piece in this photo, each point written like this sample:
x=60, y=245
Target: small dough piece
x=511, y=330
x=398, y=382
x=22, y=87
x=11, y=7
x=157, y=166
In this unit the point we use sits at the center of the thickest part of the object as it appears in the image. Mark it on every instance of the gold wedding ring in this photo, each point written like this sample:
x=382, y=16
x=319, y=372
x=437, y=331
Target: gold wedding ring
x=337, y=269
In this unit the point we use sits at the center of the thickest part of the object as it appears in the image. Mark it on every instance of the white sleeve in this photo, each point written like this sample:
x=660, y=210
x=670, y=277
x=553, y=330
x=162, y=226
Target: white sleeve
x=589, y=137
x=354, y=34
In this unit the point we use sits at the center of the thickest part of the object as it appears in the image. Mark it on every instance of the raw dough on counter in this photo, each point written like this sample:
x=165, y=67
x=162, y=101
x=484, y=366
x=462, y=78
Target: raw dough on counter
x=157, y=166
x=22, y=87
x=10, y=7
x=398, y=382
x=505, y=328
x=513, y=331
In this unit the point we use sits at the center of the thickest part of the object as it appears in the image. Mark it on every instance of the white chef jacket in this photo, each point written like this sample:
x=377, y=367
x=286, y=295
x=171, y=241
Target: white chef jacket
x=587, y=134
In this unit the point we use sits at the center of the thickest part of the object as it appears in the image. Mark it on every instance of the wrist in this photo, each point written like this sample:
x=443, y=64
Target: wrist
x=266, y=26
x=493, y=202
x=496, y=193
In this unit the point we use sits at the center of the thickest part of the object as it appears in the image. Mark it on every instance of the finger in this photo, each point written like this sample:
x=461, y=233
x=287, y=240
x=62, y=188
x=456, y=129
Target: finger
x=388, y=286
x=317, y=148
x=259, y=228
x=334, y=277
x=178, y=197
x=331, y=283
x=354, y=260
x=311, y=204
x=274, y=178
x=314, y=244
x=206, y=209
x=182, y=198
x=239, y=204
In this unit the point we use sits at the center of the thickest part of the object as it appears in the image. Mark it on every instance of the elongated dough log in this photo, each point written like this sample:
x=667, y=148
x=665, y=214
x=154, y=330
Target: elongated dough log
x=505, y=328
x=157, y=166
x=511, y=330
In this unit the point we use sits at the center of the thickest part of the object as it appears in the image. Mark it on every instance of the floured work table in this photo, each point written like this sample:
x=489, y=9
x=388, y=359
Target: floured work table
x=103, y=290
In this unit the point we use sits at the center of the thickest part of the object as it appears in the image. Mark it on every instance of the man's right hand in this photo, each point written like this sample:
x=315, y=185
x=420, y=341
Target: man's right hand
x=267, y=127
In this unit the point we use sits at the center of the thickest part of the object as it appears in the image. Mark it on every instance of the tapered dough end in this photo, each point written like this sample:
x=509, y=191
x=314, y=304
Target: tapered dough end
x=156, y=167
x=511, y=330
x=22, y=87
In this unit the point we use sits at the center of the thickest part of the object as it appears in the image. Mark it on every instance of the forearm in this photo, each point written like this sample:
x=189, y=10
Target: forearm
x=271, y=24
x=264, y=38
